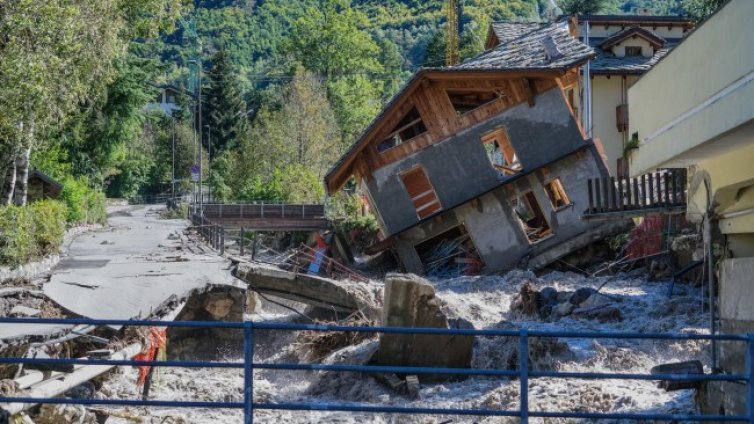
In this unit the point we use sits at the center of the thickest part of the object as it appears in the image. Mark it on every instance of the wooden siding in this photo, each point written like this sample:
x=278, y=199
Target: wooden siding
x=442, y=120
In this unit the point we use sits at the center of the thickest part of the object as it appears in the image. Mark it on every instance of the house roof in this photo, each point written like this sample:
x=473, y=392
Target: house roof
x=637, y=19
x=532, y=45
x=655, y=40
x=35, y=173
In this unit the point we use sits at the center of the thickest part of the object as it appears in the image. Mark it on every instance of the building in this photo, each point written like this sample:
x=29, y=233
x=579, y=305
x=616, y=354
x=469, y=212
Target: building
x=482, y=166
x=42, y=186
x=626, y=46
x=166, y=99
x=695, y=109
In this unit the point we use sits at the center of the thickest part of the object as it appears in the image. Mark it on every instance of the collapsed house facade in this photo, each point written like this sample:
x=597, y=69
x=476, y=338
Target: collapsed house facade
x=482, y=166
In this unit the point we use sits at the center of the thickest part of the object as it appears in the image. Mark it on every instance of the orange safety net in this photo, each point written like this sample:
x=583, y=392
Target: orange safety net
x=156, y=347
x=646, y=238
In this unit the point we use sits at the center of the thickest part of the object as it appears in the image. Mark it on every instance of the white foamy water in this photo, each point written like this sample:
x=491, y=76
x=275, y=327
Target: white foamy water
x=484, y=301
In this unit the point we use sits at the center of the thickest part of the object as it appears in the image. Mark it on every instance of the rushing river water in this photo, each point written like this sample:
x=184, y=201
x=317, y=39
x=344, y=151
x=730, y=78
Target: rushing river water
x=484, y=301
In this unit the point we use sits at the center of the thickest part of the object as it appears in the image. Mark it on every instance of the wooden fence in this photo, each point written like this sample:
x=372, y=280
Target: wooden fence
x=663, y=191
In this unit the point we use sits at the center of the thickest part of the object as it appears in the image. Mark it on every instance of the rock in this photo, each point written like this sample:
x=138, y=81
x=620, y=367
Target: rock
x=412, y=386
x=410, y=301
x=595, y=300
x=563, y=309
x=549, y=295
x=682, y=249
x=602, y=313
x=581, y=295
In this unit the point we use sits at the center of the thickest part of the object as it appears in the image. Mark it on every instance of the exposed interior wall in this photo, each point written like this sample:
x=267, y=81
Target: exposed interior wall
x=495, y=230
x=458, y=166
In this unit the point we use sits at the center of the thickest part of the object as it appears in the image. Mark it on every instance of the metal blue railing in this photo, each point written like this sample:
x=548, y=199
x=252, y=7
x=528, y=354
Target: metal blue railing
x=523, y=372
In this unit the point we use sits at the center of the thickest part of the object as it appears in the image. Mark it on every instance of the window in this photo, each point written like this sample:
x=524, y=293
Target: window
x=633, y=50
x=530, y=216
x=409, y=127
x=465, y=101
x=500, y=152
x=556, y=193
x=450, y=253
x=421, y=192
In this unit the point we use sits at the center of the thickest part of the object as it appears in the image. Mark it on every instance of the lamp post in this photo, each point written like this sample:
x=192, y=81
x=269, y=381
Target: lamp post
x=209, y=157
x=199, y=127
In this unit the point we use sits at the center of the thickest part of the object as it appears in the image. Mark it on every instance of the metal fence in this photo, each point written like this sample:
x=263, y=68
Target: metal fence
x=523, y=373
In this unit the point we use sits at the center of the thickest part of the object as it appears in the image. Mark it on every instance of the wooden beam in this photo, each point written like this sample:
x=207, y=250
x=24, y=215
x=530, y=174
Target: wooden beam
x=527, y=91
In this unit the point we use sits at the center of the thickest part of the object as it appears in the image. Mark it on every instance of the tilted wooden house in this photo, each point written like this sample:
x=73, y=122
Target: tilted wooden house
x=482, y=166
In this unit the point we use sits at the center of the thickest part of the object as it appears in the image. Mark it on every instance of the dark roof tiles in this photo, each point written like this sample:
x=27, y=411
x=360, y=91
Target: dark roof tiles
x=525, y=46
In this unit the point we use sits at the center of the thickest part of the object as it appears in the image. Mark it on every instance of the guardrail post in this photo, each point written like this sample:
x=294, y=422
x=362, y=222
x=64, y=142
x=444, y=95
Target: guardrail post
x=750, y=378
x=241, y=239
x=222, y=241
x=248, y=373
x=523, y=367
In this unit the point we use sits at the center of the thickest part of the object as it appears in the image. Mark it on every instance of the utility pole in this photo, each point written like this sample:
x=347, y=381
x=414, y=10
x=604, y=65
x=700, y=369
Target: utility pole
x=452, y=39
x=209, y=157
x=172, y=177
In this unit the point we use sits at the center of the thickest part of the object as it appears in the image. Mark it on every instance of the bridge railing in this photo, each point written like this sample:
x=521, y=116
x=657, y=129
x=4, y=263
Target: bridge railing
x=264, y=210
x=523, y=373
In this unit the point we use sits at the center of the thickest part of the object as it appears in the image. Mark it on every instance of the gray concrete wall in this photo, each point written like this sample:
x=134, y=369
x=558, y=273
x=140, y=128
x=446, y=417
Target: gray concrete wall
x=736, y=294
x=498, y=235
x=458, y=166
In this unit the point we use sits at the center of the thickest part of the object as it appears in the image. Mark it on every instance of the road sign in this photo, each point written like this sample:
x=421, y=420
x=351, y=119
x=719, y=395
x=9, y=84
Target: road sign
x=195, y=173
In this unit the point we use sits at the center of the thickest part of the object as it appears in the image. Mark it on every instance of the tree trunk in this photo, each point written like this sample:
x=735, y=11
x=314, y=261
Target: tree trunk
x=22, y=175
x=9, y=184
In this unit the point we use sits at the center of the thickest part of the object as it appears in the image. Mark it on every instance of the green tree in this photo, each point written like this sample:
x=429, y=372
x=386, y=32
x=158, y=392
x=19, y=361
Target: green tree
x=699, y=10
x=224, y=109
x=581, y=7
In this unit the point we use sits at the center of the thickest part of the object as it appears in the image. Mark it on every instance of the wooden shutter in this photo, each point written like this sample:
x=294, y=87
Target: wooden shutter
x=421, y=192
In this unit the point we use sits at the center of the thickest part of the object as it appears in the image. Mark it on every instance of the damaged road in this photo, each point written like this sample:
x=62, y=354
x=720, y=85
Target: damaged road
x=106, y=273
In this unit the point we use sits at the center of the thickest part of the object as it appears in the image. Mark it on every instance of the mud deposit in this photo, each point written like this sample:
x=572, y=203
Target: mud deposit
x=484, y=301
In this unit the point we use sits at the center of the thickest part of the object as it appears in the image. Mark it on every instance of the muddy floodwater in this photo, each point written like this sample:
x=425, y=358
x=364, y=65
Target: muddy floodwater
x=485, y=302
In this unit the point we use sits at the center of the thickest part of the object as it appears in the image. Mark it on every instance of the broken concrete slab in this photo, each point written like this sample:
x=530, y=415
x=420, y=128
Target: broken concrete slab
x=110, y=281
x=410, y=301
x=21, y=310
x=338, y=295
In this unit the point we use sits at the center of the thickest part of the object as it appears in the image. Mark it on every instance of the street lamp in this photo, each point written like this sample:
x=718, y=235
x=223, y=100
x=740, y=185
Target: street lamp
x=209, y=157
x=198, y=64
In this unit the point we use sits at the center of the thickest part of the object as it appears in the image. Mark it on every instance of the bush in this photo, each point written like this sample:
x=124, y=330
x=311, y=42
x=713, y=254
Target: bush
x=31, y=231
x=49, y=225
x=16, y=235
x=85, y=205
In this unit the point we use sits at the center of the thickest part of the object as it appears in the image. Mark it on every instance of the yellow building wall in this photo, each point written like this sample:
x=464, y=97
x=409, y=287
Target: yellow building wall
x=607, y=94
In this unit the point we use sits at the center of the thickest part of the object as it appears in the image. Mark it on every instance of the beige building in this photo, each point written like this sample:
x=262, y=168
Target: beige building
x=626, y=48
x=695, y=109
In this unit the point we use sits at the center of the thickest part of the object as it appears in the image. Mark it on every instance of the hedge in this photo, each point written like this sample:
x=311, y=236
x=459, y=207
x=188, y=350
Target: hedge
x=28, y=232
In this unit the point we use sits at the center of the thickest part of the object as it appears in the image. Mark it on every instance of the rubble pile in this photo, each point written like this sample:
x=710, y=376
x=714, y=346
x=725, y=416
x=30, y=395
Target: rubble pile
x=548, y=303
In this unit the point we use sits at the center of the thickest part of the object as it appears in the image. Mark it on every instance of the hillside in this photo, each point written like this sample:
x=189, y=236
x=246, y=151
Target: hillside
x=252, y=30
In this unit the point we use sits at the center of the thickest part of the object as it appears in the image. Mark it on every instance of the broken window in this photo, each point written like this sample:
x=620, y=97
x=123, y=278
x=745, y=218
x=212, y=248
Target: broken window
x=450, y=254
x=557, y=194
x=500, y=152
x=530, y=215
x=409, y=127
x=465, y=101
x=421, y=192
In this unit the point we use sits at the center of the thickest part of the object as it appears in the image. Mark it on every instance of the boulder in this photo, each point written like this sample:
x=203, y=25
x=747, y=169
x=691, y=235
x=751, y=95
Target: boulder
x=549, y=295
x=602, y=313
x=563, y=309
x=410, y=301
x=595, y=300
x=581, y=295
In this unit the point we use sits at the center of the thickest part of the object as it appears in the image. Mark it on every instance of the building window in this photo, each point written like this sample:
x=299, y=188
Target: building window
x=556, y=193
x=421, y=192
x=530, y=216
x=500, y=152
x=464, y=101
x=450, y=253
x=409, y=127
x=633, y=50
